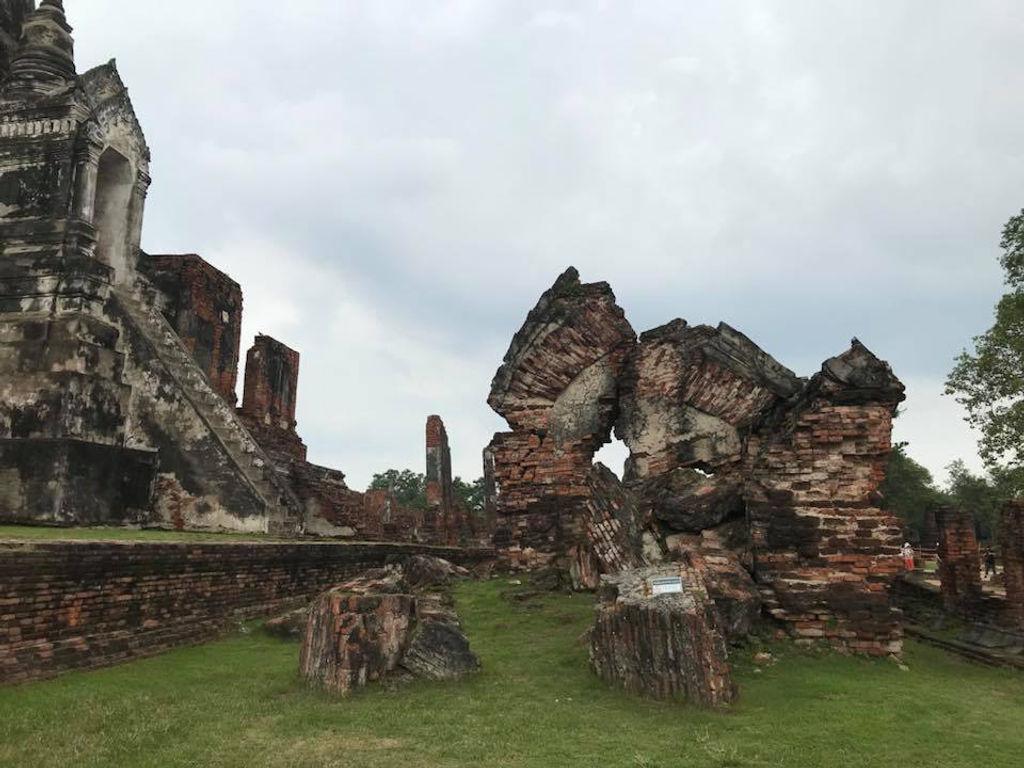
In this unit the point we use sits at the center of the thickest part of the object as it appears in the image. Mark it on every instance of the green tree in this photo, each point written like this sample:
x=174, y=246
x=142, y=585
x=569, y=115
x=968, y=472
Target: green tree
x=983, y=495
x=989, y=382
x=470, y=494
x=409, y=488
x=909, y=489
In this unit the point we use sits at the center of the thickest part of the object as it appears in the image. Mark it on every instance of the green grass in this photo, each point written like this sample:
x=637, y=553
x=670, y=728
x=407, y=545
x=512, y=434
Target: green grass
x=33, y=533
x=238, y=702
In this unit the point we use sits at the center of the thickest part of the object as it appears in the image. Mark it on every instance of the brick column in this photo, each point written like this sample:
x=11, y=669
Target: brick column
x=269, y=397
x=1011, y=538
x=960, y=567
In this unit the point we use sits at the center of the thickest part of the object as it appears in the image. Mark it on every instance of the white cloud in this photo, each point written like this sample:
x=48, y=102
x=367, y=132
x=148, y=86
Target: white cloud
x=933, y=425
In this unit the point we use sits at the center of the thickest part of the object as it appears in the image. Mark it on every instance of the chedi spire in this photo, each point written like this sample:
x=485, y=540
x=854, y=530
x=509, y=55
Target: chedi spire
x=45, y=59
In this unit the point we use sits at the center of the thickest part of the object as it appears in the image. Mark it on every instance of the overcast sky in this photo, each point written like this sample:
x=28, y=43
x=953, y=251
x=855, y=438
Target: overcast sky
x=395, y=183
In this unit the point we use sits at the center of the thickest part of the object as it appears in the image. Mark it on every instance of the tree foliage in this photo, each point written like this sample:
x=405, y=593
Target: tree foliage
x=410, y=489
x=470, y=494
x=982, y=495
x=909, y=489
x=989, y=382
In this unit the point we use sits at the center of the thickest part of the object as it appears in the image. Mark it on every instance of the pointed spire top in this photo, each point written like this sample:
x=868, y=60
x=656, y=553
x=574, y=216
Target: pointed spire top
x=45, y=59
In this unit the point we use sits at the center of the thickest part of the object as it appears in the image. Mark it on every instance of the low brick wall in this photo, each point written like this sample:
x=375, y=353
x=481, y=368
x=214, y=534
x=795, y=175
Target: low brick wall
x=76, y=605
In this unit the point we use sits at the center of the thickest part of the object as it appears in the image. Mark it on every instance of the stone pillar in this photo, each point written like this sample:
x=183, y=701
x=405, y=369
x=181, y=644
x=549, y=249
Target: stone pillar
x=439, y=467
x=1011, y=538
x=87, y=158
x=136, y=212
x=269, y=397
x=960, y=562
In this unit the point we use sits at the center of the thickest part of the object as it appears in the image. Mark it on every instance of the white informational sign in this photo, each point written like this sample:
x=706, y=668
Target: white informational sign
x=666, y=585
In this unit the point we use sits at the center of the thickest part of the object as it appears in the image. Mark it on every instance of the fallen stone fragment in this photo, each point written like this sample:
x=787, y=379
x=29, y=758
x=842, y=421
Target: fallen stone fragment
x=355, y=637
x=439, y=650
x=288, y=626
x=657, y=634
x=688, y=393
x=690, y=501
x=374, y=626
x=423, y=571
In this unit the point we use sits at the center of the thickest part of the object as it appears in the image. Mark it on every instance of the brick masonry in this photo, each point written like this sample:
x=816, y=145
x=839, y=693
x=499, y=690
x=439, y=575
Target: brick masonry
x=204, y=306
x=440, y=495
x=718, y=433
x=1011, y=539
x=269, y=398
x=78, y=605
x=959, y=560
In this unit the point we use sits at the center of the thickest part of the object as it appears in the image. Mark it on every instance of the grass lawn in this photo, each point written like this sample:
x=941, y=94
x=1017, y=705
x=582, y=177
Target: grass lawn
x=238, y=702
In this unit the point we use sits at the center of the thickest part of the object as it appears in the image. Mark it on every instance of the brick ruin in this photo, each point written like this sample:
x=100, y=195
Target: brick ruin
x=765, y=483
x=959, y=560
x=1011, y=539
x=118, y=369
x=204, y=306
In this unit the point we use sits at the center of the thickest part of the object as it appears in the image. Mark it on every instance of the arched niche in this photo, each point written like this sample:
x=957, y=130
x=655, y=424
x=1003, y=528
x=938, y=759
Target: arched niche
x=115, y=182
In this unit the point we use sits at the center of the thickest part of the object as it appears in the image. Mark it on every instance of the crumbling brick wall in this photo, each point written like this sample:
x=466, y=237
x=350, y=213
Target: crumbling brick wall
x=269, y=398
x=959, y=560
x=720, y=434
x=557, y=388
x=204, y=306
x=1011, y=540
x=63, y=610
x=824, y=550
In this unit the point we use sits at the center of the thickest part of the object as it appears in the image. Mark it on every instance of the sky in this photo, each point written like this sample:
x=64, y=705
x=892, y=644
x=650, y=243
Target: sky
x=395, y=183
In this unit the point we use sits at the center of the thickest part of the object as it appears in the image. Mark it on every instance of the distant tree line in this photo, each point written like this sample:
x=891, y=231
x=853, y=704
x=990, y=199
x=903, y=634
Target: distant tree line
x=410, y=489
x=910, y=491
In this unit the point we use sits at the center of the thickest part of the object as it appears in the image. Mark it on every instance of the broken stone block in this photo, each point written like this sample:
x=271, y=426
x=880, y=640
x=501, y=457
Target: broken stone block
x=357, y=633
x=288, y=626
x=559, y=372
x=730, y=586
x=690, y=501
x=557, y=389
x=439, y=650
x=657, y=634
x=823, y=548
x=423, y=571
x=374, y=625
x=609, y=538
x=687, y=394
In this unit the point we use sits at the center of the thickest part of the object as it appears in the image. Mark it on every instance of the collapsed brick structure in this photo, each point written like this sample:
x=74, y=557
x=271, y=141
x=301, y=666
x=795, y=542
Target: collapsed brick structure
x=269, y=398
x=959, y=560
x=1011, y=539
x=557, y=390
x=764, y=483
x=118, y=369
x=822, y=545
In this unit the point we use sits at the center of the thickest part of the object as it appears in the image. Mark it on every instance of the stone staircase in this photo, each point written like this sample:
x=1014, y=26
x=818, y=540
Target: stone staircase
x=284, y=509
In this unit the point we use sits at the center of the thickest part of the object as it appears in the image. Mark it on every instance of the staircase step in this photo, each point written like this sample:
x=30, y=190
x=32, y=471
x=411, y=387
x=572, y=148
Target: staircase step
x=222, y=420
